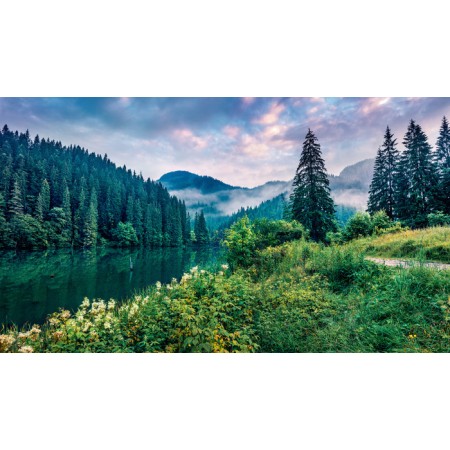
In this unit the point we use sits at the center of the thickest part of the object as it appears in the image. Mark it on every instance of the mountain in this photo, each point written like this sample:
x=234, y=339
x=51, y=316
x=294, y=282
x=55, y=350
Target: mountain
x=218, y=199
x=181, y=179
x=57, y=196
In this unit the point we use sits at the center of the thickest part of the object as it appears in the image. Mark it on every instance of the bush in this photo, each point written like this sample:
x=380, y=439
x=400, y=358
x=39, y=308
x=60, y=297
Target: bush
x=125, y=235
x=360, y=225
x=438, y=219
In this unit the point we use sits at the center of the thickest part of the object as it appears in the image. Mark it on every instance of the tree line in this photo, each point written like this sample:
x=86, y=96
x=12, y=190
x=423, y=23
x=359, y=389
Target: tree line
x=57, y=196
x=412, y=186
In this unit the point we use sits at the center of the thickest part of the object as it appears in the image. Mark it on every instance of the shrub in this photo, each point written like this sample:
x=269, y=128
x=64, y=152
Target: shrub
x=438, y=219
x=359, y=225
x=125, y=235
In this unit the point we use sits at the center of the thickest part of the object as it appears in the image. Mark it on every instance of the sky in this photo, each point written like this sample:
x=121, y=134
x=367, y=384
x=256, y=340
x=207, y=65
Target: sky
x=241, y=141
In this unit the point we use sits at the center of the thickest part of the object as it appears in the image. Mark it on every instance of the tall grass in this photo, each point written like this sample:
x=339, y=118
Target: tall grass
x=432, y=244
x=298, y=297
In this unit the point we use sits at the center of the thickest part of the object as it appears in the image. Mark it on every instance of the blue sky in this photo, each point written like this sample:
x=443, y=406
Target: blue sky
x=242, y=141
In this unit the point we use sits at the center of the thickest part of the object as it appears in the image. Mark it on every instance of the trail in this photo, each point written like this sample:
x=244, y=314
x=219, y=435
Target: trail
x=406, y=263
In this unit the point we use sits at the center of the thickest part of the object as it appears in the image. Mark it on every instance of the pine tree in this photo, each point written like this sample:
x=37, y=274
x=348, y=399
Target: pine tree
x=381, y=192
x=442, y=159
x=15, y=202
x=80, y=215
x=443, y=146
x=43, y=202
x=5, y=231
x=90, y=222
x=200, y=229
x=311, y=202
x=417, y=180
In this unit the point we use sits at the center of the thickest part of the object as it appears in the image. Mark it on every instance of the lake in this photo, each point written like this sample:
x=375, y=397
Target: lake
x=35, y=284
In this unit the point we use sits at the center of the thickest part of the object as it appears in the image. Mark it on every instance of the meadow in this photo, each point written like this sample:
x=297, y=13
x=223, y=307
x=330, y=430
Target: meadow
x=295, y=297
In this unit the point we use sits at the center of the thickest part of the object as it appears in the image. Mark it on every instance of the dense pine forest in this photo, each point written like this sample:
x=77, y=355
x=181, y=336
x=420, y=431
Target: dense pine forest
x=413, y=186
x=57, y=196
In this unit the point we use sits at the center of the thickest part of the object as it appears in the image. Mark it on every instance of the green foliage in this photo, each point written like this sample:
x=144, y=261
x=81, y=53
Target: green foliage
x=382, y=190
x=240, y=240
x=430, y=243
x=438, y=219
x=311, y=202
x=38, y=176
x=359, y=225
x=200, y=229
x=28, y=232
x=417, y=179
x=125, y=235
x=305, y=298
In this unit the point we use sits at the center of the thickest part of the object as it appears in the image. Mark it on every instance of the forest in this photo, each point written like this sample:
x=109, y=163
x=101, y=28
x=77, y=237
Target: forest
x=57, y=196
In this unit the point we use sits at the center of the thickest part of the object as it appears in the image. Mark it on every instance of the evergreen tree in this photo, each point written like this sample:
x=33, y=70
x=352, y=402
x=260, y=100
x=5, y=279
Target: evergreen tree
x=43, y=202
x=15, y=202
x=311, y=202
x=417, y=180
x=200, y=229
x=443, y=164
x=382, y=192
x=90, y=222
x=79, y=219
x=443, y=146
x=5, y=230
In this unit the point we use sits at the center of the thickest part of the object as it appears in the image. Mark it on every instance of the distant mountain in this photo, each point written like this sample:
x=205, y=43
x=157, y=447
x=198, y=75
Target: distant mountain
x=181, y=179
x=351, y=186
x=219, y=200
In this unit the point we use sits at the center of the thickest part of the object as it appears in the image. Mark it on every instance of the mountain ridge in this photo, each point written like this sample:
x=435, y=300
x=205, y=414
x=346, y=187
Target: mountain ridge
x=349, y=188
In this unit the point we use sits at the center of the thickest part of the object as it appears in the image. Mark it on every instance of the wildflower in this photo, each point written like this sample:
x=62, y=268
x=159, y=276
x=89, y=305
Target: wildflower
x=111, y=304
x=202, y=271
x=224, y=266
x=169, y=287
x=94, y=335
x=85, y=303
x=6, y=341
x=65, y=314
x=158, y=285
x=57, y=335
x=53, y=321
x=185, y=278
x=86, y=327
x=107, y=325
x=26, y=349
x=194, y=269
x=133, y=310
x=34, y=332
x=23, y=335
x=220, y=273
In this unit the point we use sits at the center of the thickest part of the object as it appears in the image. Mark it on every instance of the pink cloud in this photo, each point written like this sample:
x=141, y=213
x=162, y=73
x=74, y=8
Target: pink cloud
x=231, y=131
x=186, y=137
x=272, y=116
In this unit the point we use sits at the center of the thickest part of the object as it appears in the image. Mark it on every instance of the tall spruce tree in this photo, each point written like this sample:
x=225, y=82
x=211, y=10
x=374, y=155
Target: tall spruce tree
x=43, y=202
x=416, y=181
x=443, y=146
x=382, y=192
x=442, y=158
x=200, y=229
x=311, y=202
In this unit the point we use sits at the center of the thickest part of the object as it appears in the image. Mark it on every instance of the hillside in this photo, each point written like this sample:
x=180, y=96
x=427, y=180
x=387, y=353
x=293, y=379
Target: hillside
x=221, y=201
x=429, y=244
x=57, y=196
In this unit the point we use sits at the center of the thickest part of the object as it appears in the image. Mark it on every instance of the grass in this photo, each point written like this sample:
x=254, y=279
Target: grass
x=298, y=297
x=431, y=244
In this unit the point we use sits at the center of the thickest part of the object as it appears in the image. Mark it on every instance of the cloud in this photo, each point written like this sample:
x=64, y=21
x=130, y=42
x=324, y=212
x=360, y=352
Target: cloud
x=243, y=141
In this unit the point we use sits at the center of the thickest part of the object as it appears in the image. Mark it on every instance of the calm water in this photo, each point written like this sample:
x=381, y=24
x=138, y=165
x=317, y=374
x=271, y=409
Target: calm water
x=35, y=284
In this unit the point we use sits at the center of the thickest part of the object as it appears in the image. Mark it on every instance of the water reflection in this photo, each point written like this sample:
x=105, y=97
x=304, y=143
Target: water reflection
x=34, y=284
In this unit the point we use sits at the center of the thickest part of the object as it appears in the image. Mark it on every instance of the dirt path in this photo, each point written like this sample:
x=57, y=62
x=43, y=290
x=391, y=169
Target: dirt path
x=405, y=263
